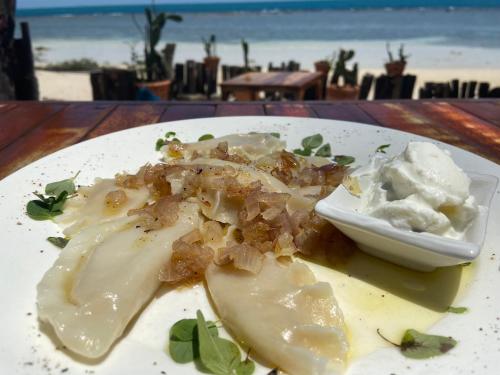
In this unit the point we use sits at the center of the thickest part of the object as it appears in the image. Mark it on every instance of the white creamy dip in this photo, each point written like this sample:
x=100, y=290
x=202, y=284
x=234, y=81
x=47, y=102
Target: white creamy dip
x=422, y=190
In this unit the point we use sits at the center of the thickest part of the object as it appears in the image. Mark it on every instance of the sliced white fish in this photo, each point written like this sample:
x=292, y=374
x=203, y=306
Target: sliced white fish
x=283, y=314
x=103, y=277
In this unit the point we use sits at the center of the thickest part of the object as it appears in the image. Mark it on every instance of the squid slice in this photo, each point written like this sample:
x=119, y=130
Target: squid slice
x=283, y=314
x=103, y=277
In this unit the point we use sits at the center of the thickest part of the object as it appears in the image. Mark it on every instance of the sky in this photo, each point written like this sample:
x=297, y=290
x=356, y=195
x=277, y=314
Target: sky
x=66, y=3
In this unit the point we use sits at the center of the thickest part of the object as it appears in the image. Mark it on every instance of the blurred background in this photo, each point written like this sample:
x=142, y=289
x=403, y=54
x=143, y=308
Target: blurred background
x=446, y=48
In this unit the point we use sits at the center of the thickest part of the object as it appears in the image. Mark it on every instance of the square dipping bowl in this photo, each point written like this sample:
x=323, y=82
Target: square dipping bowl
x=418, y=251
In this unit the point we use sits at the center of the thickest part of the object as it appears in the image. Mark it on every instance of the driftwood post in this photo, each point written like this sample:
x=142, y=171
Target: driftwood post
x=25, y=82
x=7, y=24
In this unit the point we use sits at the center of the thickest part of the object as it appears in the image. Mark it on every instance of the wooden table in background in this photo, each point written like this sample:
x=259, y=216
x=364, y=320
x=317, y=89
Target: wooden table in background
x=31, y=130
x=247, y=86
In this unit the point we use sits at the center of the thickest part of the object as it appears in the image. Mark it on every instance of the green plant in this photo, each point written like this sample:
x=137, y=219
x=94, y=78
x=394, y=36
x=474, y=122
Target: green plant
x=350, y=76
x=154, y=66
x=75, y=65
x=402, y=57
x=210, y=46
x=244, y=45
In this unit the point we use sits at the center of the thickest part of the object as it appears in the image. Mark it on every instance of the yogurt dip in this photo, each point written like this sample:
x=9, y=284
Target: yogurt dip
x=421, y=190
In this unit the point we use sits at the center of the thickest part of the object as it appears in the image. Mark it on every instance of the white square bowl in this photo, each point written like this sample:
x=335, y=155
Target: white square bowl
x=419, y=251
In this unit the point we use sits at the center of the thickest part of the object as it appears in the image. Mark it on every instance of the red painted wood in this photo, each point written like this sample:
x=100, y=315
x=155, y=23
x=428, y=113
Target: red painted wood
x=176, y=112
x=22, y=118
x=6, y=107
x=233, y=109
x=289, y=109
x=66, y=128
x=470, y=128
x=343, y=111
x=126, y=117
x=488, y=111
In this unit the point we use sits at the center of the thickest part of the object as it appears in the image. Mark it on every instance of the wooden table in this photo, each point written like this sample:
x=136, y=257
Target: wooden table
x=30, y=130
x=247, y=86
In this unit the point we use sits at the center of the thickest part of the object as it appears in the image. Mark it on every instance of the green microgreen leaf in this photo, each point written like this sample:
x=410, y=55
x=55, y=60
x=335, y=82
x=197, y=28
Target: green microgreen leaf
x=218, y=355
x=457, y=310
x=56, y=188
x=343, y=159
x=60, y=242
x=421, y=346
x=47, y=207
x=382, y=148
x=312, y=141
x=159, y=144
x=246, y=367
x=169, y=134
x=183, y=344
x=176, y=140
x=205, y=137
x=325, y=151
x=276, y=135
x=304, y=152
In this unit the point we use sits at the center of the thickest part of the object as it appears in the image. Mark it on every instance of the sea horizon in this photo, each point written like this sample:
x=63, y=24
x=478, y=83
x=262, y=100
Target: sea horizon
x=259, y=6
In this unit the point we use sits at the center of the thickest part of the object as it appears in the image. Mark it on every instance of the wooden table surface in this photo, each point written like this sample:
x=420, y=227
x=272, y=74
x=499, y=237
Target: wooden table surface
x=31, y=130
x=291, y=82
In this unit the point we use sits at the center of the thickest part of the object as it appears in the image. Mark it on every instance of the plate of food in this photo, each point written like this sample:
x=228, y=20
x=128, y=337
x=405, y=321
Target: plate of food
x=194, y=247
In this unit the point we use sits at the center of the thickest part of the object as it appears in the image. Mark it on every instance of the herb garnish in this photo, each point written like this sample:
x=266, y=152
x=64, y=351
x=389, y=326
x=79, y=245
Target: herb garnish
x=312, y=142
x=205, y=137
x=325, y=151
x=382, y=148
x=419, y=345
x=160, y=142
x=58, y=241
x=67, y=185
x=457, y=310
x=343, y=159
x=197, y=339
x=46, y=207
x=276, y=135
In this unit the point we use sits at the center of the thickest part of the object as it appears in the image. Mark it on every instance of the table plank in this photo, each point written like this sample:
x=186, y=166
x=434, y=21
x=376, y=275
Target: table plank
x=471, y=129
x=343, y=112
x=66, y=128
x=289, y=109
x=6, y=107
x=397, y=115
x=126, y=117
x=233, y=109
x=176, y=112
x=22, y=118
x=488, y=111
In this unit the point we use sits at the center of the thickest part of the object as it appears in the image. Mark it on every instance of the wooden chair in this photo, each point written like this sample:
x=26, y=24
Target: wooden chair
x=394, y=87
x=365, y=87
x=113, y=84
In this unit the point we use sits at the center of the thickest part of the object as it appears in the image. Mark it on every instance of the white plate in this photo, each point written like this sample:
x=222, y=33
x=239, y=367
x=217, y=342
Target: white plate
x=26, y=256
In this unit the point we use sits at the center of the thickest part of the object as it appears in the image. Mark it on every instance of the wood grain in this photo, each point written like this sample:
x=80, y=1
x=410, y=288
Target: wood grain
x=22, y=118
x=484, y=110
x=233, y=109
x=66, y=128
x=343, y=111
x=289, y=109
x=176, y=112
x=126, y=117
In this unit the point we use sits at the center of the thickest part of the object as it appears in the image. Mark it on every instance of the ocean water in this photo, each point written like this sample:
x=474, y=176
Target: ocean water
x=440, y=36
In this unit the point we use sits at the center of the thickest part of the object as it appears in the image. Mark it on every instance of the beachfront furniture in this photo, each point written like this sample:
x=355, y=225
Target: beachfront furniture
x=168, y=59
x=469, y=124
x=453, y=89
x=113, y=84
x=291, y=66
x=17, y=69
x=231, y=71
x=365, y=87
x=194, y=81
x=248, y=86
x=394, y=87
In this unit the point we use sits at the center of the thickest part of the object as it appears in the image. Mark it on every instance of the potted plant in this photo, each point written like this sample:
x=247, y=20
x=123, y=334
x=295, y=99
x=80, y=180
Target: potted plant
x=395, y=68
x=325, y=65
x=349, y=88
x=153, y=75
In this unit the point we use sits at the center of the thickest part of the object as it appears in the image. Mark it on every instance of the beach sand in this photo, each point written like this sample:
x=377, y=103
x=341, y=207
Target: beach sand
x=76, y=86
